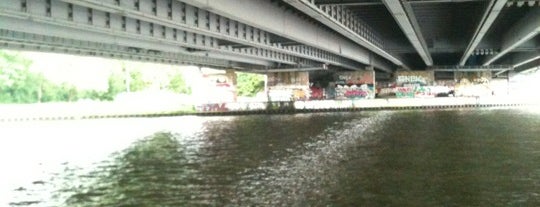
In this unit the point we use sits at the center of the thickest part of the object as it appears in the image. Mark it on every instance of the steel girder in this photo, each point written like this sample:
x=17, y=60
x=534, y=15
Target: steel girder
x=279, y=21
x=404, y=16
x=70, y=21
x=521, y=60
x=491, y=13
x=16, y=24
x=186, y=17
x=527, y=28
x=34, y=42
x=471, y=68
x=344, y=22
x=371, y=3
x=167, y=24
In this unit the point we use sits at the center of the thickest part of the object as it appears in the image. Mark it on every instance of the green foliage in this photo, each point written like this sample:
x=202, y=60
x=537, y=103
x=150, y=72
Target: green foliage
x=137, y=82
x=55, y=93
x=116, y=85
x=249, y=84
x=17, y=84
x=178, y=84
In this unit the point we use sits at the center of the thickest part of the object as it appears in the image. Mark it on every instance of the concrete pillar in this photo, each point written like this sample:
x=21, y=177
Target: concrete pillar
x=510, y=77
x=286, y=86
x=363, y=81
x=231, y=76
x=231, y=79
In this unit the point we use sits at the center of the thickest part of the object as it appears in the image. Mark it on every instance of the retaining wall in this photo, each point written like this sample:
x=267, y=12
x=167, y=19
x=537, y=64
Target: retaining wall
x=66, y=111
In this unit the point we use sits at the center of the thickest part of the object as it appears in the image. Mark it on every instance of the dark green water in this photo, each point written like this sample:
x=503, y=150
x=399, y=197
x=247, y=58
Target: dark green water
x=403, y=158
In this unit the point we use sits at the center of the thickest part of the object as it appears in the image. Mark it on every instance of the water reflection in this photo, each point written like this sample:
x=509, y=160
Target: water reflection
x=406, y=158
x=146, y=174
x=453, y=158
x=203, y=167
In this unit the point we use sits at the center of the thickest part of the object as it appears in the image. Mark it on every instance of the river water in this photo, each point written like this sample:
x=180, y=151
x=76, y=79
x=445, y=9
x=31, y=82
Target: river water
x=472, y=157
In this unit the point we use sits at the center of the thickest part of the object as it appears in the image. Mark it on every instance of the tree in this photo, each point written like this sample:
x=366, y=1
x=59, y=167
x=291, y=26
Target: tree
x=249, y=84
x=137, y=83
x=116, y=85
x=178, y=84
x=17, y=83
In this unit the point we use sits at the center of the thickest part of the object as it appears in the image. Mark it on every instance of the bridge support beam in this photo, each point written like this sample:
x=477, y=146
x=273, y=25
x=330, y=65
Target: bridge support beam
x=521, y=60
x=526, y=29
x=184, y=17
x=404, y=15
x=341, y=20
x=492, y=11
x=279, y=21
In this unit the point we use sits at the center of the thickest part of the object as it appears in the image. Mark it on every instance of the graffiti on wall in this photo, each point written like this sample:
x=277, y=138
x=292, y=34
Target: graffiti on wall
x=410, y=84
x=212, y=107
x=288, y=86
x=288, y=79
x=365, y=91
x=414, y=77
x=355, y=78
x=317, y=93
x=213, y=89
x=355, y=85
x=420, y=91
x=411, y=80
x=474, y=84
x=404, y=92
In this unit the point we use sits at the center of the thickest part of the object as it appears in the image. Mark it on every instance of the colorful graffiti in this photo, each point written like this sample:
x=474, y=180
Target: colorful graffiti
x=355, y=85
x=288, y=94
x=288, y=79
x=404, y=92
x=411, y=80
x=356, y=94
x=355, y=78
x=420, y=91
x=414, y=77
x=317, y=93
x=212, y=107
x=365, y=91
x=474, y=84
x=288, y=86
x=411, y=84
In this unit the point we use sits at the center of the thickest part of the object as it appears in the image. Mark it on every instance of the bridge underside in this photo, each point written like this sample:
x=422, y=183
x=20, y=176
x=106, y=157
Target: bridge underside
x=274, y=35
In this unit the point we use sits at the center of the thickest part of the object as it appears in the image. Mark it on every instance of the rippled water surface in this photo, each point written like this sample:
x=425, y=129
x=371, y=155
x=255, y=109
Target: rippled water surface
x=385, y=158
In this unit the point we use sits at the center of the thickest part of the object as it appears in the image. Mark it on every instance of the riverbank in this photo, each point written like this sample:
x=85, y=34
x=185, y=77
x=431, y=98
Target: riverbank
x=97, y=110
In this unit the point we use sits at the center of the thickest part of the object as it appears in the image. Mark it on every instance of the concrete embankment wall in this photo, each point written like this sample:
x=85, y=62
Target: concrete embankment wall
x=82, y=110
x=72, y=111
x=385, y=104
x=411, y=102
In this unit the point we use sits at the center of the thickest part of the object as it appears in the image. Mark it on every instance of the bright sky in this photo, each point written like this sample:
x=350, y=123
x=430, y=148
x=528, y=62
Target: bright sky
x=92, y=72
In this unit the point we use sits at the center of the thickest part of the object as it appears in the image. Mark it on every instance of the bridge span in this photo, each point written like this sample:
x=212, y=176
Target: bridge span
x=255, y=35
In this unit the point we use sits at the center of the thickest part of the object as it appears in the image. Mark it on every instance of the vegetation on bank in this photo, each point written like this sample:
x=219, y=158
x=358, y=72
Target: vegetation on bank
x=249, y=84
x=20, y=85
